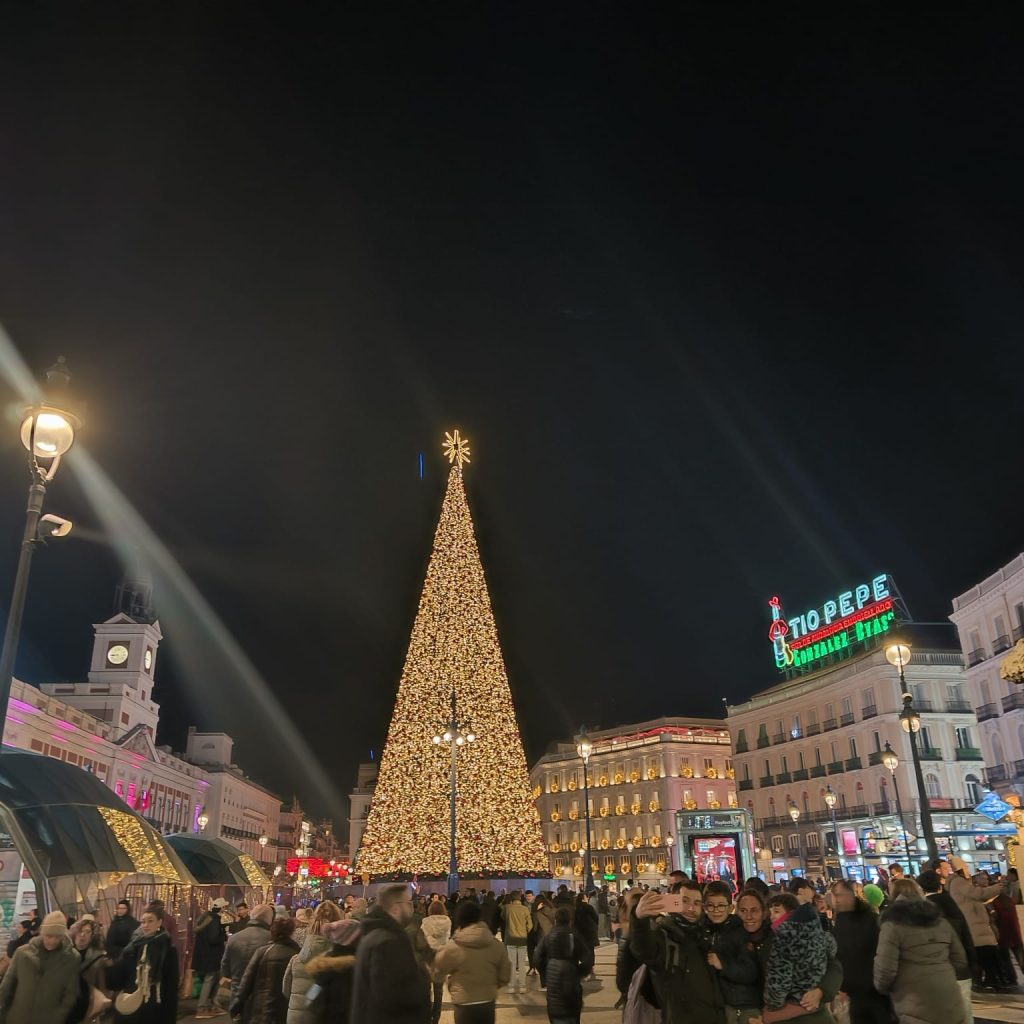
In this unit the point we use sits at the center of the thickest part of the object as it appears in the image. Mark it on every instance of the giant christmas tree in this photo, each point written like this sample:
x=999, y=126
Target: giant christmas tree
x=454, y=645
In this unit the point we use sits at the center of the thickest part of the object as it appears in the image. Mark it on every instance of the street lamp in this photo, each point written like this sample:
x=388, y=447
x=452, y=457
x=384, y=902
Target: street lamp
x=898, y=654
x=47, y=432
x=670, y=841
x=455, y=735
x=263, y=840
x=892, y=762
x=584, y=748
x=794, y=813
x=203, y=820
x=831, y=799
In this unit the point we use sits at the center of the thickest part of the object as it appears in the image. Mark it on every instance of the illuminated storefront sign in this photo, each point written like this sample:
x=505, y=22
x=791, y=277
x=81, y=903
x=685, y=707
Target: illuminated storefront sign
x=854, y=616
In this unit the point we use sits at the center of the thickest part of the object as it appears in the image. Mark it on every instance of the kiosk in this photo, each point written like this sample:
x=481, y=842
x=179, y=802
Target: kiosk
x=716, y=845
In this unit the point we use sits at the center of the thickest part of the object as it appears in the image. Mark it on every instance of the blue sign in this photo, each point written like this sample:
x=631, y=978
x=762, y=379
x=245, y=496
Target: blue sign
x=992, y=807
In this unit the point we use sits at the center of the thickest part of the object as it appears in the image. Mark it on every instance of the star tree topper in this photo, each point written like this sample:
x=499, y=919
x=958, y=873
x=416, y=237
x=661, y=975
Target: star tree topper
x=456, y=448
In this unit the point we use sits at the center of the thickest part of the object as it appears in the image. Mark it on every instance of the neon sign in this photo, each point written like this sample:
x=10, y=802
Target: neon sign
x=854, y=616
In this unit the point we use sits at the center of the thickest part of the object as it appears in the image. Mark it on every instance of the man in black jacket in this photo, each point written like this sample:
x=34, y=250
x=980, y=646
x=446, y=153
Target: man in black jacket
x=685, y=982
x=931, y=883
x=121, y=930
x=388, y=984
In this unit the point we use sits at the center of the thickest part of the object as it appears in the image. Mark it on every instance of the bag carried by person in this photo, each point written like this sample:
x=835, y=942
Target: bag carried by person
x=637, y=1009
x=128, y=1003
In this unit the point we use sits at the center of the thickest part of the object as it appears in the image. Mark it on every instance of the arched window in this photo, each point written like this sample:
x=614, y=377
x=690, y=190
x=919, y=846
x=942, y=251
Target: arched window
x=973, y=789
x=931, y=784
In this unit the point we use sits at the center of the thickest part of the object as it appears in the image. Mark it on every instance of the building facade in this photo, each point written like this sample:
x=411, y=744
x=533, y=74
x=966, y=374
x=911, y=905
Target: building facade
x=359, y=801
x=826, y=731
x=990, y=620
x=639, y=776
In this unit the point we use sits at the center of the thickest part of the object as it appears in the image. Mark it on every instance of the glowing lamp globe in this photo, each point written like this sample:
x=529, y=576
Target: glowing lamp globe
x=202, y=821
x=54, y=431
x=584, y=746
x=831, y=799
x=669, y=840
x=264, y=839
x=898, y=654
x=794, y=812
x=889, y=758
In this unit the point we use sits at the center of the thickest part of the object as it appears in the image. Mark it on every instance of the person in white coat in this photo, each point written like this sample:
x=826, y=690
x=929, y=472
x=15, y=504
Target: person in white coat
x=432, y=937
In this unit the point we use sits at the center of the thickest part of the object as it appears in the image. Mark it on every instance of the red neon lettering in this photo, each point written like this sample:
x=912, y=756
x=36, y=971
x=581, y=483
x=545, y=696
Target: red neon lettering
x=868, y=612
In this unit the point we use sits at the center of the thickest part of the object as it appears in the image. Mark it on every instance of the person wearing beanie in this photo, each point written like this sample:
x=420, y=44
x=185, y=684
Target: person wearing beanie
x=874, y=896
x=973, y=903
x=241, y=946
x=41, y=983
x=121, y=929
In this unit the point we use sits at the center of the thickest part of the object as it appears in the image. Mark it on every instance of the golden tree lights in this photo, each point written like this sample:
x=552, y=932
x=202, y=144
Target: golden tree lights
x=454, y=643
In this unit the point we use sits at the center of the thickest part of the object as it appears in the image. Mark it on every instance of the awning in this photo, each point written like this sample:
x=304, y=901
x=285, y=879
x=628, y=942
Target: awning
x=215, y=862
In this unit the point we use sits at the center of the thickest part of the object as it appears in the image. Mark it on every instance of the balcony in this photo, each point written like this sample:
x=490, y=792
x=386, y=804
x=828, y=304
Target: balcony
x=884, y=808
x=931, y=754
x=975, y=657
x=968, y=754
x=742, y=748
x=987, y=711
x=835, y=767
x=875, y=758
x=1001, y=643
x=1013, y=701
x=830, y=724
x=924, y=705
x=1018, y=769
x=847, y=718
x=746, y=784
x=869, y=712
x=779, y=737
x=782, y=778
x=800, y=775
x=853, y=763
x=959, y=707
x=814, y=729
x=818, y=771
x=765, y=781
x=1018, y=633
x=997, y=773
x=762, y=742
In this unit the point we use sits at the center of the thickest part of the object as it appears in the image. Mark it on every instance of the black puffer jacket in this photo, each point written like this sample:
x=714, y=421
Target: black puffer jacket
x=856, y=935
x=388, y=984
x=563, y=958
x=740, y=977
x=119, y=934
x=261, y=998
x=585, y=922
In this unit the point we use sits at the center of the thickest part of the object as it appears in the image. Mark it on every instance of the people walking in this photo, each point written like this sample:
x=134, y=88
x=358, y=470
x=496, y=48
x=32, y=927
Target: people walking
x=972, y=901
x=564, y=958
x=87, y=943
x=515, y=932
x=388, y=985
x=147, y=970
x=297, y=978
x=917, y=957
x=855, y=928
x=42, y=982
x=261, y=998
x=931, y=883
x=333, y=971
x=475, y=965
x=435, y=931
x=209, y=938
x=121, y=930
x=241, y=946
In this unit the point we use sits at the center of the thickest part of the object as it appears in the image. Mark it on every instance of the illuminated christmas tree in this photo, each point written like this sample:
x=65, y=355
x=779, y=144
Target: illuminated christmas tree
x=454, y=645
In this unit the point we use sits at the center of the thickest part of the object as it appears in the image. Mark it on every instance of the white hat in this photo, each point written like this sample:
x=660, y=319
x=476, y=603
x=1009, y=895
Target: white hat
x=55, y=923
x=220, y=902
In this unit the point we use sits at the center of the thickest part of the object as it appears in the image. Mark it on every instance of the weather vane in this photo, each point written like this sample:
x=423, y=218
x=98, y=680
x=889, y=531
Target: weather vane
x=456, y=448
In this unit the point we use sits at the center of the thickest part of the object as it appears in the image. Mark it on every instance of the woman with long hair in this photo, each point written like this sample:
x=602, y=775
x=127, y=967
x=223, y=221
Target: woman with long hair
x=918, y=954
x=855, y=929
x=297, y=979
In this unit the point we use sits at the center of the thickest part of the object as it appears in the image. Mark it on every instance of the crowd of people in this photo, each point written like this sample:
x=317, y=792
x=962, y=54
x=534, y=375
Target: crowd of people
x=902, y=950
x=907, y=950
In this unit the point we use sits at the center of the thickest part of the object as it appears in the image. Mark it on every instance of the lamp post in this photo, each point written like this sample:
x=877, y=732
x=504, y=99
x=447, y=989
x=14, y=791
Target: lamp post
x=898, y=654
x=831, y=799
x=203, y=820
x=892, y=762
x=584, y=748
x=263, y=840
x=670, y=842
x=47, y=432
x=455, y=735
x=794, y=813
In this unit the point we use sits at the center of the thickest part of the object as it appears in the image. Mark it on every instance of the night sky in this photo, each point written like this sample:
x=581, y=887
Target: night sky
x=728, y=302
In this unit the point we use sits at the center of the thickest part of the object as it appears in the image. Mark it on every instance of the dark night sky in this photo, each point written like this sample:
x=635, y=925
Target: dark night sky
x=729, y=303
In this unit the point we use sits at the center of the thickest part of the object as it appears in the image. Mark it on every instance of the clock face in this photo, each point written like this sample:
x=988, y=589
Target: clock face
x=149, y=658
x=118, y=654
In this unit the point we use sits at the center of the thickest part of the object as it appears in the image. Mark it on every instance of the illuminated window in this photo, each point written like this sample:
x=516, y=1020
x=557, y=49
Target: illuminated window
x=778, y=844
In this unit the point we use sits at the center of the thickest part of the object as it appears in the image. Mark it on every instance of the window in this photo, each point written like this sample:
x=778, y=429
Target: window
x=986, y=693
x=817, y=757
x=974, y=793
x=710, y=796
x=1018, y=614
x=830, y=711
x=746, y=772
x=868, y=697
x=812, y=716
x=777, y=844
x=975, y=640
x=876, y=739
x=794, y=843
x=732, y=798
x=924, y=739
x=954, y=693
x=931, y=784
x=785, y=764
x=847, y=706
x=812, y=841
x=800, y=755
x=963, y=737
x=835, y=751
x=708, y=764
x=999, y=625
x=124, y=718
x=741, y=739
x=767, y=767
x=796, y=726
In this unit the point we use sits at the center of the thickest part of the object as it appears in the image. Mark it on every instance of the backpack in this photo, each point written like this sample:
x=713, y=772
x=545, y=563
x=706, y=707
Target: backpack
x=637, y=1010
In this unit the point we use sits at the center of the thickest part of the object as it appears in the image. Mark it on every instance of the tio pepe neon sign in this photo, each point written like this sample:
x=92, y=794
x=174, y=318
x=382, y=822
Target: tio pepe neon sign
x=854, y=615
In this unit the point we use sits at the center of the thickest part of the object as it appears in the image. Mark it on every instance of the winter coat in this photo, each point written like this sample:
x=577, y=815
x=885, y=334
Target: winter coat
x=856, y=935
x=686, y=985
x=297, y=981
x=971, y=899
x=40, y=984
x=119, y=934
x=162, y=957
x=208, y=940
x=388, y=984
x=475, y=964
x=92, y=974
x=261, y=998
x=515, y=917
x=799, y=955
x=490, y=913
x=1004, y=913
x=585, y=922
x=239, y=950
x=740, y=976
x=562, y=959
x=952, y=913
x=332, y=971
x=436, y=931
x=544, y=915
x=916, y=964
